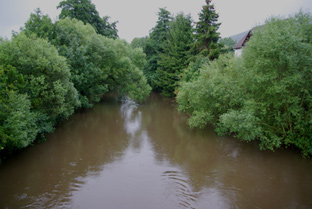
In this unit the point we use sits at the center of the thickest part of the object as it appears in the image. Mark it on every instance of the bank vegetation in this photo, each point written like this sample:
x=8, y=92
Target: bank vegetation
x=49, y=70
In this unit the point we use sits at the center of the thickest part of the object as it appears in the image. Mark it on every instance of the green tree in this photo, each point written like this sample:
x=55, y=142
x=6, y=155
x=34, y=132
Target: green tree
x=206, y=35
x=18, y=127
x=39, y=24
x=124, y=67
x=153, y=46
x=85, y=11
x=192, y=72
x=175, y=55
x=36, y=83
x=227, y=45
x=108, y=29
x=17, y=122
x=99, y=64
x=79, y=44
x=139, y=42
x=263, y=95
x=278, y=85
x=212, y=92
x=43, y=75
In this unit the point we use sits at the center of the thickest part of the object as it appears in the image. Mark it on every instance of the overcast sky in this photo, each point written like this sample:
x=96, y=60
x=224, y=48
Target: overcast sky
x=136, y=17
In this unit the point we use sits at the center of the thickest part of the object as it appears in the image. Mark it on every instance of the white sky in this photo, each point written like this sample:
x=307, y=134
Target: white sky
x=136, y=18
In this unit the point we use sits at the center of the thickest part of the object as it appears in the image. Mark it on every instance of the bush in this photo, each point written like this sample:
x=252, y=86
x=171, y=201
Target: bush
x=36, y=89
x=99, y=64
x=264, y=95
x=18, y=124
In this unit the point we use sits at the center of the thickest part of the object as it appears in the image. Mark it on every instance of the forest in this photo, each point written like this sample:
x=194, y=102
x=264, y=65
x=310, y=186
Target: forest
x=49, y=70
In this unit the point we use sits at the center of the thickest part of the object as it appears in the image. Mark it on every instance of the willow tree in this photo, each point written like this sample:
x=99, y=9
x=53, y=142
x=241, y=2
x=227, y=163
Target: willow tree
x=37, y=88
x=99, y=64
x=266, y=94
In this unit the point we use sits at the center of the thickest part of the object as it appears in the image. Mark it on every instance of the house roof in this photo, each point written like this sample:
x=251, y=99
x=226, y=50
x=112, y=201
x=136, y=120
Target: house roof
x=239, y=36
x=242, y=42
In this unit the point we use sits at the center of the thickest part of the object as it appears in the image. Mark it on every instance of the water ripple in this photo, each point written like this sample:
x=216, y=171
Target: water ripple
x=182, y=190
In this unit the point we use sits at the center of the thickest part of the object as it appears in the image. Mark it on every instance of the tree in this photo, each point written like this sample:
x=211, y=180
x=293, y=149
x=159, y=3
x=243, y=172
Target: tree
x=41, y=74
x=85, y=11
x=99, y=64
x=79, y=43
x=139, y=42
x=124, y=66
x=227, y=45
x=206, y=35
x=264, y=95
x=37, y=85
x=153, y=46
x=175, y=55
x=192, y=72
x=212, y=92
x=278, y=85
x=39, y=24
x=108, y=29
x=18, y=127
x=37, y=73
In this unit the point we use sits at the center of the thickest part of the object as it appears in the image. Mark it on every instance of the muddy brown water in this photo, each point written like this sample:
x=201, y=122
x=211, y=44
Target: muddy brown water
x=123, y=155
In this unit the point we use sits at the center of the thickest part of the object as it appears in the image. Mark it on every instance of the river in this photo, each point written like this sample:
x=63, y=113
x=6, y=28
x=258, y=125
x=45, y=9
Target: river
x=123, y=155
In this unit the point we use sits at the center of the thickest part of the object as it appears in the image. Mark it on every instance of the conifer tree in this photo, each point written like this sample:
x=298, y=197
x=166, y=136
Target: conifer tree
x=206, y=34
x=154, y=45
x=175, y=56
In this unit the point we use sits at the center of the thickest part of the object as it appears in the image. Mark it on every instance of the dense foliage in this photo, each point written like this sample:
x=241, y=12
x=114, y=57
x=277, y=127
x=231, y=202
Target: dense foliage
x=174, y=47
x=263, y=95
x=44, y=78
x=40, y=25
x=227, y=45
x=139, y=42
x=153, y=47
x=51, y=69
x=206, y=35
x=175, y=55
x=36, y=90
x=85, y=11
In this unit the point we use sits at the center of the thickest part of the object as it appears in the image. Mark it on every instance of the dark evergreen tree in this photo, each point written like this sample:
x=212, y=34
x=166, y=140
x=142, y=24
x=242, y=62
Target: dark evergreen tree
x=108, y=29
x=206, y=34
x=175, y=55
x=154, y=45
x=85, y=11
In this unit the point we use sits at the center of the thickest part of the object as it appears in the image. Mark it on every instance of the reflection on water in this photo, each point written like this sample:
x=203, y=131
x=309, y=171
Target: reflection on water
x=145, y=156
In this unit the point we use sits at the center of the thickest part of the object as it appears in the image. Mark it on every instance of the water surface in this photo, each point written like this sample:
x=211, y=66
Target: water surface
x=124, y=155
